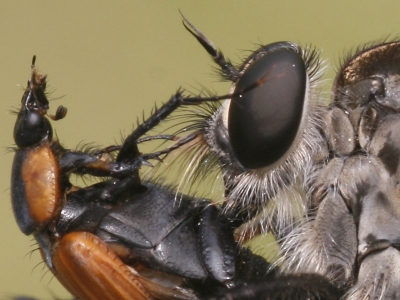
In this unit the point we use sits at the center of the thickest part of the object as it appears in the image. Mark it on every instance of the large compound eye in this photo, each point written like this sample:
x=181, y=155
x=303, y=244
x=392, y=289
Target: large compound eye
x=263, y=122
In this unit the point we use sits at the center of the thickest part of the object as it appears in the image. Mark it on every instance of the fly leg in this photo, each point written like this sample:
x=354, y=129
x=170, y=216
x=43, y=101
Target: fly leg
x=326, y=242
x=129, y=149
x=129, y=159
x=83, y=163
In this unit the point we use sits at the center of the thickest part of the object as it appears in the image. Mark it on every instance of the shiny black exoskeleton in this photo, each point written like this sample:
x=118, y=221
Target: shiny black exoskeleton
x=184, y=243
x=187, y=245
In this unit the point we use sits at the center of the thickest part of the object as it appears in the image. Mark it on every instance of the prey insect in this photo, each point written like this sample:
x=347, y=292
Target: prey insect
x=279, y=138
x=123, y=238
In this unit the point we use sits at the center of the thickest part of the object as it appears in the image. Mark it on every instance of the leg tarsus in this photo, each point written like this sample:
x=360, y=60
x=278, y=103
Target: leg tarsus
x=130, y=144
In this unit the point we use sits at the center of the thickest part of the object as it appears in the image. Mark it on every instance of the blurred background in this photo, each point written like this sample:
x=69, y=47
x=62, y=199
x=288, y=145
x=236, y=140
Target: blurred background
x=110, y=61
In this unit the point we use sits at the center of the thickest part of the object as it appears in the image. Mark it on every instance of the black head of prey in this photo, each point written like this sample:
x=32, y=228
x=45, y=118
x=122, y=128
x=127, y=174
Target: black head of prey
x=32, y=126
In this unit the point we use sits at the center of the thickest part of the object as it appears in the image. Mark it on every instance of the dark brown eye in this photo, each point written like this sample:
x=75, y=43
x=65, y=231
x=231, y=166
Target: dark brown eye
x=264, y=121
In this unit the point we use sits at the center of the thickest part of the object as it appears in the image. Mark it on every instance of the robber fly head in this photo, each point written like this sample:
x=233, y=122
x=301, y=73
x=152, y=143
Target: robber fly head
x=265, y=135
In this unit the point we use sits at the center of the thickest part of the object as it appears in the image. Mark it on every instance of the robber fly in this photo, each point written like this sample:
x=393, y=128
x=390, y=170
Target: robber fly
x=278, y=138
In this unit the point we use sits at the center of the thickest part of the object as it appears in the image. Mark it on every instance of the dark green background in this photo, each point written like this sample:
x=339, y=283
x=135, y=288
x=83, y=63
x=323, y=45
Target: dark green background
x=112, y=60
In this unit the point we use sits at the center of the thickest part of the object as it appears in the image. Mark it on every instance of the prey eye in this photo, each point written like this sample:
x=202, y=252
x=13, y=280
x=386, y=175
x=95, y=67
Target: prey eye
x=263, y=122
